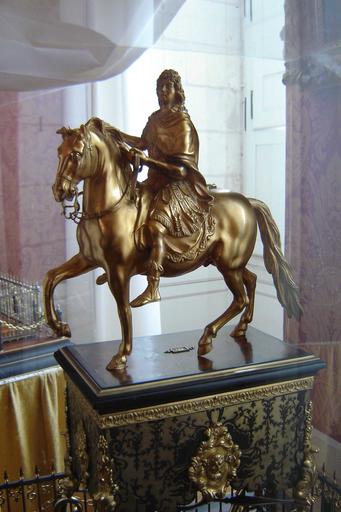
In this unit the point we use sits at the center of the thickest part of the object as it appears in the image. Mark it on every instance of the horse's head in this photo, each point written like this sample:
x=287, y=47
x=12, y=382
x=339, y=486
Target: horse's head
x=74, y=162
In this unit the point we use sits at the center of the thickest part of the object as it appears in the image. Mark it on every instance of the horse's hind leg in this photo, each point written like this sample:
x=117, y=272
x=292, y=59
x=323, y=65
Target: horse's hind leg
x=234, y=280
x=250, y=280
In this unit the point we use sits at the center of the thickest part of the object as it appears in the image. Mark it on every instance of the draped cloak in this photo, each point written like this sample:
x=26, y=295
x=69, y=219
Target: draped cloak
x=181, y=204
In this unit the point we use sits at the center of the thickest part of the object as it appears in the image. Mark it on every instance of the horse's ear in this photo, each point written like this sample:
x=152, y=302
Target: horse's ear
x=62, y=131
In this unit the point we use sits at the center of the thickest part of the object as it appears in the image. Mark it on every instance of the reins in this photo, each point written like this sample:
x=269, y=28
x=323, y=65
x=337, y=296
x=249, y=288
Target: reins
x=77, y=216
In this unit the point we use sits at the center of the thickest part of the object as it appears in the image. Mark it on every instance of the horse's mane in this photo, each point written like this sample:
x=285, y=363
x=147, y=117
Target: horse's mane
x=104, y=130
x=109, y=134
x=95, y=124
x=66, y=131
x=112, y=136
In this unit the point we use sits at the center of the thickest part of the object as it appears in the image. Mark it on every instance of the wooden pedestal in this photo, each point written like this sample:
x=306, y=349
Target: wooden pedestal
x=136, y=436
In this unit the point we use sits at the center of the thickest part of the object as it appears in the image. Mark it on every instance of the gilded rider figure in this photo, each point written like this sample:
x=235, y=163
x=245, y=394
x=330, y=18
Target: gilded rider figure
x=180, y=206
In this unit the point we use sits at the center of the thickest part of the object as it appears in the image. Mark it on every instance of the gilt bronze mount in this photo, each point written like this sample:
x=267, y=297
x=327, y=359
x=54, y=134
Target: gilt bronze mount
x=215, y=463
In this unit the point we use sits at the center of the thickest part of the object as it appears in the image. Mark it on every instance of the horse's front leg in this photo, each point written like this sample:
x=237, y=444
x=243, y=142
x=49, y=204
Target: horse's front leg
x=74, y=267
x=118, y=281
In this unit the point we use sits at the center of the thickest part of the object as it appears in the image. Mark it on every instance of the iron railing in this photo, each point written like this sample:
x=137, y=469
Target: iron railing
x=40, y=493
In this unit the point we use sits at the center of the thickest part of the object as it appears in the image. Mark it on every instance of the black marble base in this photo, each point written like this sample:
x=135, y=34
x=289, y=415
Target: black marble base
x=154, y=376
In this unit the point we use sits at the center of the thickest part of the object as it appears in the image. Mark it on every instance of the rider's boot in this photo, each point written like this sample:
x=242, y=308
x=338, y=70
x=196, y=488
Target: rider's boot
x=151, y=293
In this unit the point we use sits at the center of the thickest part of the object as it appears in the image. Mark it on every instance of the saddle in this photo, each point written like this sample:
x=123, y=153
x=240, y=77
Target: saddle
x=176, y=249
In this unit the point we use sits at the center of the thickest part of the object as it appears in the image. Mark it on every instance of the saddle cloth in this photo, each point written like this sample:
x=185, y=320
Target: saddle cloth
x=181, y=247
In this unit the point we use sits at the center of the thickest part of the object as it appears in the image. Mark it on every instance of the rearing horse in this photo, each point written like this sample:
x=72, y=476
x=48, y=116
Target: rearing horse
x=106, y=239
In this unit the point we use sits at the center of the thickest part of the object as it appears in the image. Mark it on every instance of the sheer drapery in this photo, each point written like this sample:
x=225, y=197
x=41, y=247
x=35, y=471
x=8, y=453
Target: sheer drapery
x=48, y=44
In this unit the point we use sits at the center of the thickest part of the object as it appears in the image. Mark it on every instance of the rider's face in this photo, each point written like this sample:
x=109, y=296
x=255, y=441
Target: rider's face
x=166, y=94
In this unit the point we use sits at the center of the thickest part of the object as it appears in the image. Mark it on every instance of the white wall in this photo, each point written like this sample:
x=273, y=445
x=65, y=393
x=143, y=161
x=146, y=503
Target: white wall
x=263, y=169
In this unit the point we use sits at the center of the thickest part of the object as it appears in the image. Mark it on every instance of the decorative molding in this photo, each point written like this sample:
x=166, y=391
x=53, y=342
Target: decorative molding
x=319, y=70
x=189, y=406
x=215, y=463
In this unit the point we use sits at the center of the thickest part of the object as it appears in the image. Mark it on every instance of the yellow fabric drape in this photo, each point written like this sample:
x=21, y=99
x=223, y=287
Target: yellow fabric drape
x=32, y=423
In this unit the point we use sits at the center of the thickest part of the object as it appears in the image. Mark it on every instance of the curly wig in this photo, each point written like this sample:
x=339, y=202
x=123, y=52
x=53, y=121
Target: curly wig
x=174, y=77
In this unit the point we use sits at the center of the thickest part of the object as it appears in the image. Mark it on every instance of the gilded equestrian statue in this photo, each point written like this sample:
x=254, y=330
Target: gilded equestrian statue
x=168, y=225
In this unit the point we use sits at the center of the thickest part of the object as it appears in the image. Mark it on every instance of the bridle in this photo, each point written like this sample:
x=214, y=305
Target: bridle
x=76, y=214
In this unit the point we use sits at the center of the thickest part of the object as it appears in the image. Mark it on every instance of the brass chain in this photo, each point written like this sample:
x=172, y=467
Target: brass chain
x=22, y=327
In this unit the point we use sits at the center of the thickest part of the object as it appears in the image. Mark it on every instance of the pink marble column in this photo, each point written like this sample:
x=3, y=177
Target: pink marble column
x=10, y=254
x=31, y=228
x=42, y=239
x=313, y=196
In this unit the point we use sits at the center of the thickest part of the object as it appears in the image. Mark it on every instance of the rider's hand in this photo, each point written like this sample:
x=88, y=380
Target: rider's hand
x=137, y=157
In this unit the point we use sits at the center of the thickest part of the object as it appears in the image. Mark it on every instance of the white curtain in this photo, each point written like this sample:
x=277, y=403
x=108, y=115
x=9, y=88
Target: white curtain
x=53, y=43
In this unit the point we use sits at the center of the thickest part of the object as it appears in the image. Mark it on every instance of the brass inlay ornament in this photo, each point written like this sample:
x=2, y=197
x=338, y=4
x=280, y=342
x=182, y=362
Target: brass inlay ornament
x=107, y=489
x=82, y=455
x=304, y=489
x=162, y=411
x=215, y=463
x=168, y=225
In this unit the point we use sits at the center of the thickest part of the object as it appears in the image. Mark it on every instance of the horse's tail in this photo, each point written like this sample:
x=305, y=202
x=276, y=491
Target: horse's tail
x=275, y=263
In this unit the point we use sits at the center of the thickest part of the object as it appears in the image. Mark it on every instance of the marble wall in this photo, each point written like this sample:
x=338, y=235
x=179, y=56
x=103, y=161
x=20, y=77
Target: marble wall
x=10, y=256
x=32, y=234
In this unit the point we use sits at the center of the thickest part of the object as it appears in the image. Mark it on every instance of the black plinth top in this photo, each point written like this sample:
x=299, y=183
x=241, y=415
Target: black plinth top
x=153, y=376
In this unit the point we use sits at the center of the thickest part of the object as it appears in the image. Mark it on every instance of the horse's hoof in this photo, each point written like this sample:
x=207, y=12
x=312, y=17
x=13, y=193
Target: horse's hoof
x=62, y=329
x=238, y=333
x=205, y=346
x=118, y=362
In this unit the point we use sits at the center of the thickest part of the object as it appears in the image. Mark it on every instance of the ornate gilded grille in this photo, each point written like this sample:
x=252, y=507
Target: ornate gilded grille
x=40, y=493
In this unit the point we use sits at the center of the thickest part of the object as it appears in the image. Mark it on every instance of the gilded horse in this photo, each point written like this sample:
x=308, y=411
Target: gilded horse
x=106, y=229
